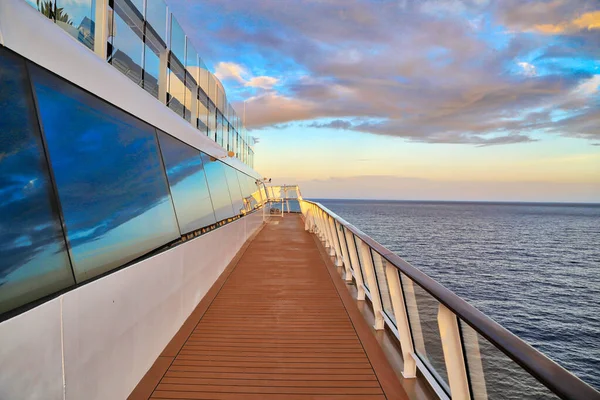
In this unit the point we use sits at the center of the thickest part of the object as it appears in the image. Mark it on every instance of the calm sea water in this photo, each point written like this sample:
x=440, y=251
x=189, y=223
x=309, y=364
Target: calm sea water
x=534, y=268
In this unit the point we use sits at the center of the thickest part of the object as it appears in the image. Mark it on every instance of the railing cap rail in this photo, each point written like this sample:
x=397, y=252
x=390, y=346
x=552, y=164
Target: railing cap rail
x=560, y=381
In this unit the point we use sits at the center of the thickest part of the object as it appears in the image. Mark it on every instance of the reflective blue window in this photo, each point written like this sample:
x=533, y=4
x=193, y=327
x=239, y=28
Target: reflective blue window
x=111, y=183
x=189, y=189
x=234, y=190
x=33, y=256
x=219, y=191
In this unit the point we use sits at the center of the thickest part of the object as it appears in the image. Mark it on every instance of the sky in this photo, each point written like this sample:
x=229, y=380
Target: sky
x=413, y=99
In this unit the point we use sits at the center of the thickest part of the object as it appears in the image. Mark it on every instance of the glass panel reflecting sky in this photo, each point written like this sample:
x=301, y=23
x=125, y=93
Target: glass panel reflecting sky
x=77, y=18
x=176, y=93
x=234, y=190
x=151, y=71
x=177, y=40
x=127, y=45
x=219, y=191
x=110, y=179
x=189, y=189
x=156, y=15
x=33, y=257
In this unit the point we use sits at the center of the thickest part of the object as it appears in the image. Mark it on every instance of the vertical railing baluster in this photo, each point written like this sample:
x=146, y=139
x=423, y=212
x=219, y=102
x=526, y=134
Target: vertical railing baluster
x=329, y=234
x=403, y=324
x=369, y=270
x=101, y=28
x=453, y=353
x=346, y=259
x=336, y=242
x=355, y=262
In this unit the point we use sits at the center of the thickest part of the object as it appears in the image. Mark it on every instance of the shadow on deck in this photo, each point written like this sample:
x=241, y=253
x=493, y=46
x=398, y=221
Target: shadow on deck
x=278, y=324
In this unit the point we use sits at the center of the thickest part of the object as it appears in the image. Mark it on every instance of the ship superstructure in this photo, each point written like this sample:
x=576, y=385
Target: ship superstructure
x=142, y=256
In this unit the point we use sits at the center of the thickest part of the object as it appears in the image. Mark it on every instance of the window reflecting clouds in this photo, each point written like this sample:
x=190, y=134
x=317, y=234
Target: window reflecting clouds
x=219, y=190
x=234, y=190
x=33, y=256
x=185, y=172
x=111, y=184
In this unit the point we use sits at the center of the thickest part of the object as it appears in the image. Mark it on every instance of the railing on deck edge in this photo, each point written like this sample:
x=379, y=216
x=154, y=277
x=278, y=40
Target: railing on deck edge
x=464, y=354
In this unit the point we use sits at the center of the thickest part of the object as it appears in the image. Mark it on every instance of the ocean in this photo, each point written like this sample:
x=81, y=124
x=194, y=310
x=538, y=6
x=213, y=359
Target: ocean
x=532, y=267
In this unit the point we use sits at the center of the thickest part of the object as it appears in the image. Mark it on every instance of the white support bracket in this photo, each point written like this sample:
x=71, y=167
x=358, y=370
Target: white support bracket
x=101, y=24
x=336, y=242
x=329, y=234
x=402, y=322
x=345, y=257
x=369, y=270
x=453, y=354
x=360, y=295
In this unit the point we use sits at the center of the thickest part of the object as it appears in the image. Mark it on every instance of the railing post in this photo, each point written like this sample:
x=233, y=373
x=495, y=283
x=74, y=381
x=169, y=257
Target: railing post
x=308, y=221
x=453, y=353
x=402, y=322
x=360, y=285
x=369, y=270
x=101, y=28
x=328, y=233
x=321, y=225
x=336, y=242
x=345, y=258
x=319, y=220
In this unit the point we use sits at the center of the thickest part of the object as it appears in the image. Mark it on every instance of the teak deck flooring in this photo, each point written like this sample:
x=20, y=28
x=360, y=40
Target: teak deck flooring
x=278, y=324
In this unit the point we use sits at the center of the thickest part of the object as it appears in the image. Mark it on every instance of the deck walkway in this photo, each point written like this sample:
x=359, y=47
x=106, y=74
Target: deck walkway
x=278, y=324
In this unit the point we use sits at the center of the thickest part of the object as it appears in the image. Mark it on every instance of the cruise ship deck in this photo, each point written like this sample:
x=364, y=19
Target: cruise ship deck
x=278, y=323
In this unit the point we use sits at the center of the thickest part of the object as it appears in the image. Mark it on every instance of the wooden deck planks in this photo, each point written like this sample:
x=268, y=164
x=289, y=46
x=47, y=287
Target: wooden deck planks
x=276, y=327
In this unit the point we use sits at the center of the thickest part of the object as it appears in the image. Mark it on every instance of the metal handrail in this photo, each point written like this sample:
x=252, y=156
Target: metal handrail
x=560, y=381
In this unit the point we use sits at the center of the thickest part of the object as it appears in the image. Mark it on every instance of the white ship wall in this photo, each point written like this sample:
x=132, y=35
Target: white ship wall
x=98, y=341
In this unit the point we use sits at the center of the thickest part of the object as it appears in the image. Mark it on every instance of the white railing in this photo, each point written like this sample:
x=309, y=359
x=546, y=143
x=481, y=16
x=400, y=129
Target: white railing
x=461, y=352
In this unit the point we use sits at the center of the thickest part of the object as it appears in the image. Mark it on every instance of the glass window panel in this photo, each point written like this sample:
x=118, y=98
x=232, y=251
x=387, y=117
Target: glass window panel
x=127, y=48
x=156, y=15
x=185, y=172
x=234, y=190
x=176, y=93
x=380, y=265
x=33, y=256
x=248, y=200
x=151, y=71
x=191, y=61
x=139, y=5
x=202, y=112
x=188, y=104
x=190, y=87
x=177, y=40
x=493, y=375
x=77, y=19
x=422, y=313
x=219, y=191
x=110, y=179
x=212, y=121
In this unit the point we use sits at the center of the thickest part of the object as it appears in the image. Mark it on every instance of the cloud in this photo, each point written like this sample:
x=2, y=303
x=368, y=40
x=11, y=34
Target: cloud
x=528, y=69
x=230, y=70
x=239, y=73
x=262, y=82
x=420, y=70
x=588, y=21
